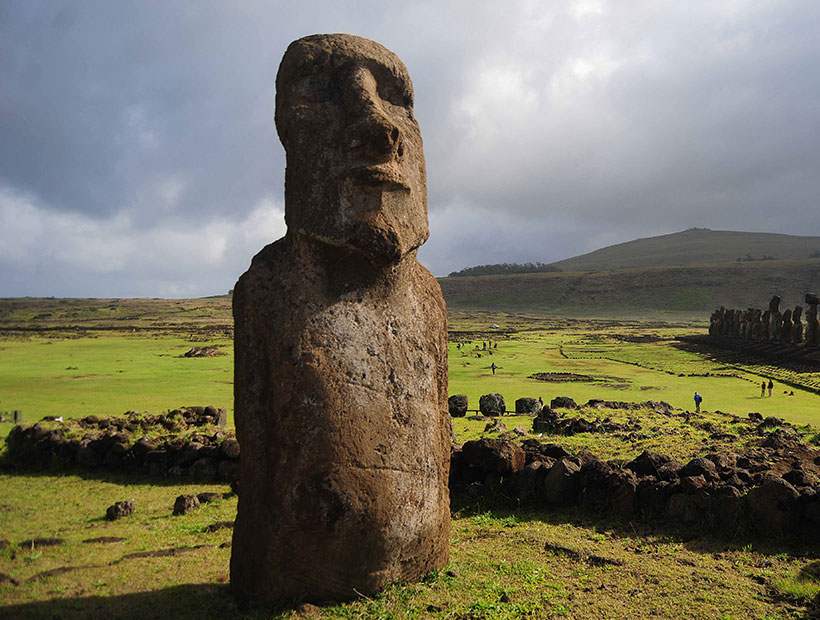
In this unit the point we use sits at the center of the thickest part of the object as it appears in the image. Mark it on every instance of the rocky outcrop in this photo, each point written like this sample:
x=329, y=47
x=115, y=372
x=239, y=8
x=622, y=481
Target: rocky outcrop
x=181, y=443
x=719, y=491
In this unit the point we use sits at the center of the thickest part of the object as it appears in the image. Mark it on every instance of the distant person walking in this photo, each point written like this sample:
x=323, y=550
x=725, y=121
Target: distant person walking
x=771, y=385
x=762, y=389
x=493, y=366
x=698, y=401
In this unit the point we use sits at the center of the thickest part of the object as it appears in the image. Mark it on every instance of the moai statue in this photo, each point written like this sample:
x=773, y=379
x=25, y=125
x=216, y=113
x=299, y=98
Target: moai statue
x=775, y=318
x=797, y=330
x=757, y=325
x=786, y=327
x=748, y=322
x=736, y=314
x=812, y=325
x=714, y=322
x=766, y=326
x=341, y=345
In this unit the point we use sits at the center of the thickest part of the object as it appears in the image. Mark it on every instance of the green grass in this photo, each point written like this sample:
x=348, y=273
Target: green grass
x=109, y=374
x=498, y=566
x=625, y=371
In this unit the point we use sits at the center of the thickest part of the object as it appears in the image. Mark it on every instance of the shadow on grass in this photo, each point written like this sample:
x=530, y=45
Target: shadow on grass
x=194, y=601
x=113, y=477
x=646, y=532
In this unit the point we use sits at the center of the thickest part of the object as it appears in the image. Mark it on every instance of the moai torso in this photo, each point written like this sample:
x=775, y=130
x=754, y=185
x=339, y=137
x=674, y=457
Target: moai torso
x=775, y=318
x=812, y=325
x=797, y=329
x=786, y=327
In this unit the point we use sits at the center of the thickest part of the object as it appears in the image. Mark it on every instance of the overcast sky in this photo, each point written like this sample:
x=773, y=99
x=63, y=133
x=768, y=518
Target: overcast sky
x=138, y=155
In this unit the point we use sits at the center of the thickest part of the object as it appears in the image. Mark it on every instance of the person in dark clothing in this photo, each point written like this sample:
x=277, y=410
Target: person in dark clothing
x=763, y=389
x=493, y=366
x=771, y=385
x=698, y=401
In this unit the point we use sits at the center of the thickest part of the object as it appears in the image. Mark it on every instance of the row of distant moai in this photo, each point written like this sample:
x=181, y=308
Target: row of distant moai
x=785, y=327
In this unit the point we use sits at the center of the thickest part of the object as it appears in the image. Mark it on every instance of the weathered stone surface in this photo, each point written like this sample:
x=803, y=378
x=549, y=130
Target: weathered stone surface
x=457, y=405
x=561, y=483
x=492, y=404
x=341, y=345
x=229, y=449
x=494, y=455
x=120, y=509
x=185, y=504
x=563, y=402
x=771, y=504
x=527, y=405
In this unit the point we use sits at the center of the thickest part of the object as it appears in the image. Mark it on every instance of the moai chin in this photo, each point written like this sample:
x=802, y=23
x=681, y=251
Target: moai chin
x=341, y=345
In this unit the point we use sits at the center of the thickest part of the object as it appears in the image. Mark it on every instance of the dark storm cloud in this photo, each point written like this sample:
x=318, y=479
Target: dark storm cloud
x=139, y=155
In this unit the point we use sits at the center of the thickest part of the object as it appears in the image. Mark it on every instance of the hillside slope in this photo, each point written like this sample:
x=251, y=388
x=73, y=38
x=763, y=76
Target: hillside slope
x=697, y=246
x=697, y=289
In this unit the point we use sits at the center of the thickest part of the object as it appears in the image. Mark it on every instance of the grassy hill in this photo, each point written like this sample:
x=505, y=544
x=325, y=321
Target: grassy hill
x=691, y=289
x=695, y=246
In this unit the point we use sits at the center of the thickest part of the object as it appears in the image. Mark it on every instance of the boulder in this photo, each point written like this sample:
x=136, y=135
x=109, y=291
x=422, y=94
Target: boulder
x=648, y=463
x=547, y=421
x=563, y=402
x=561, y=483
x=527, y=405
x=185, y=504
x=457, y=405
x=229, y=449
x=492, y=404
x=772, y=505
x=700, y=467
x=494, y=455
x=120, y=509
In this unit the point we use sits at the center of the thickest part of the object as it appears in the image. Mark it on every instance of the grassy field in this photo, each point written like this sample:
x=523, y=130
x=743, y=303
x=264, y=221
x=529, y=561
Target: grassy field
x=499, y=568
x=110, y=373
x=79, y=371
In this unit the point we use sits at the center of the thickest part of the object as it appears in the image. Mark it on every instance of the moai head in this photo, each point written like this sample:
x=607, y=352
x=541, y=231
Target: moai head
x=774, y=305
x=355, y=175
x=797, y=314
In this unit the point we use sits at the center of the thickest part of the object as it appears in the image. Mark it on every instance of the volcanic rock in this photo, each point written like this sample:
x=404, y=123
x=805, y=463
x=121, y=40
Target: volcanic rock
x=341, y=345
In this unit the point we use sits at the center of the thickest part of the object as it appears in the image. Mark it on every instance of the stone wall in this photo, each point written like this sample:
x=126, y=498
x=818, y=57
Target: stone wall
x=189, y=442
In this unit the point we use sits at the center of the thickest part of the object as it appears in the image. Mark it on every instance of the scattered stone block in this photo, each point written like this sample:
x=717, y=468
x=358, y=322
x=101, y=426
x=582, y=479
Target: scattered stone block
x=185, y=504
x=120, y=509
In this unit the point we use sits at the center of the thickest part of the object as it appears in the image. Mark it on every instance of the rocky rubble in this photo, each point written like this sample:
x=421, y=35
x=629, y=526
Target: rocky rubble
x=773, y=487
x=188, y=442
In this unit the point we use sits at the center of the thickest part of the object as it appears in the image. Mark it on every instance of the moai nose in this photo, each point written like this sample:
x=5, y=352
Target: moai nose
x=371, y=134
